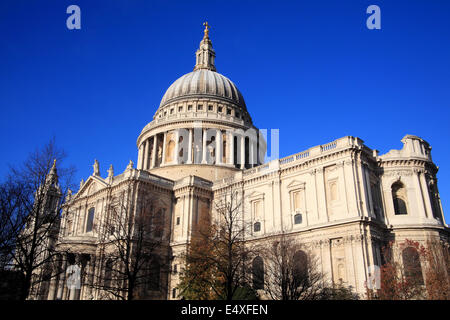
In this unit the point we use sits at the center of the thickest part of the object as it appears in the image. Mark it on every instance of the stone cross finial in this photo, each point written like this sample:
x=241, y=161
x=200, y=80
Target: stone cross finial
x=96, y=168
x=207, y=26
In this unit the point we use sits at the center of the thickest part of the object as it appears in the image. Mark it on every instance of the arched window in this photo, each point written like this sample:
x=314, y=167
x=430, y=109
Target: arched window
x=300, y=272
x=412, y=266
x=298, y=218
x=90, y=220
x=257, y=226
x=399, y=198
x=258, y=273
x=154, y=275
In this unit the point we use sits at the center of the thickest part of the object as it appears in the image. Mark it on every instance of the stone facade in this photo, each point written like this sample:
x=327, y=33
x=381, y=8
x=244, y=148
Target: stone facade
x=341, y=199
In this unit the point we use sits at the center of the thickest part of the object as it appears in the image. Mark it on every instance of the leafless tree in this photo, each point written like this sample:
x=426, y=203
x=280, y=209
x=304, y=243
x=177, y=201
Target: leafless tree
x=221, y=253
x=133, y=251
x=290, y=271
x=30, y=207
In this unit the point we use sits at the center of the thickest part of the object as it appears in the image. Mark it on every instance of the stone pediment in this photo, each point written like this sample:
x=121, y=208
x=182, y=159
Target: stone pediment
x=256, y=195
x=92, y=184
x=296, y=184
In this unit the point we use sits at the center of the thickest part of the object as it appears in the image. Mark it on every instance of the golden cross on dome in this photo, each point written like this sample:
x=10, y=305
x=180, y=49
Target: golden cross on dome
x=207, y=26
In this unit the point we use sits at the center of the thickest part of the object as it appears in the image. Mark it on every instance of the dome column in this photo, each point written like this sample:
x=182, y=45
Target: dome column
x=145, y=158
x=251, y=146
x=176, y=151
x=155, y=142
x=139, y=165
x=204, y=147
x=163, y=160
x=219, y=146
x=242, y=152
x=230, y=148
x=189, y=154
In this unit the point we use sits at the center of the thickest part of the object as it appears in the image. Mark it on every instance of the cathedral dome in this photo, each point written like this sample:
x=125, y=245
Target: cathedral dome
x=203, y=83
x=202, y=126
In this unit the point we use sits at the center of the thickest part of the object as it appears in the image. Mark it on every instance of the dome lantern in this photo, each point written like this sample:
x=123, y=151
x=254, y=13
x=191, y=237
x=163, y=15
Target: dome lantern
x=205, y=54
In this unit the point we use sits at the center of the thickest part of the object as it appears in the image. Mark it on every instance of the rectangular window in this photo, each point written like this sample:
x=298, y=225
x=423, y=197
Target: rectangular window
x=228, y=111
x=297, y=201
x=199, y=107
x=180, y=109
x=90, y=220
x=219, y=109
x=210, y=108
x=189, y=108
x=256, y=210
x=178, y=221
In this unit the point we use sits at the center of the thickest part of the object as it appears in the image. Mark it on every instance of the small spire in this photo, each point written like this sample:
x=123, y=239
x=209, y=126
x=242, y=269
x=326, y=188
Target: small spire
x=205, y=54
x=52, y=176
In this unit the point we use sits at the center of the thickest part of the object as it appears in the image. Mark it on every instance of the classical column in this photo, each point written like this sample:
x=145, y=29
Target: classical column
x=321, y=196
x=251, y=152
x=369, y=191
x=73, y=291
x=139, y=157
x=204, y=147
x=148, y=155
x=52, y=288
x=163, y=161
x=61, y=278
x=420, y=196
x=176, y=151
x=144, y=155
x=242, y=152
x=231, y=148
x=189, y=148
x=361, y=185
x=155, y=142
x=426, y=195
x=219, y=146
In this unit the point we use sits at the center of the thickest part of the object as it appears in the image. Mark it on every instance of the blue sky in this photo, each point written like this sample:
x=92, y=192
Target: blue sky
x=309, y=68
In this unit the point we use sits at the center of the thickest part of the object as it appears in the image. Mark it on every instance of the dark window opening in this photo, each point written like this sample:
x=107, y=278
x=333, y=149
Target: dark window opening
x=90, y=220
x=258, y=273
x=298, y=218
x=412, y=266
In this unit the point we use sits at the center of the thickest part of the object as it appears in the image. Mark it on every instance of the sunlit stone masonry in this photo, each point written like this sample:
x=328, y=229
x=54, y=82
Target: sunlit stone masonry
x=341, y=199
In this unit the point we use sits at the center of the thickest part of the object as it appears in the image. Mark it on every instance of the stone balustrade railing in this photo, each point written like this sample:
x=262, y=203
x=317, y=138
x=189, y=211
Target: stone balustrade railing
x=338, y=144
x=193, y=115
